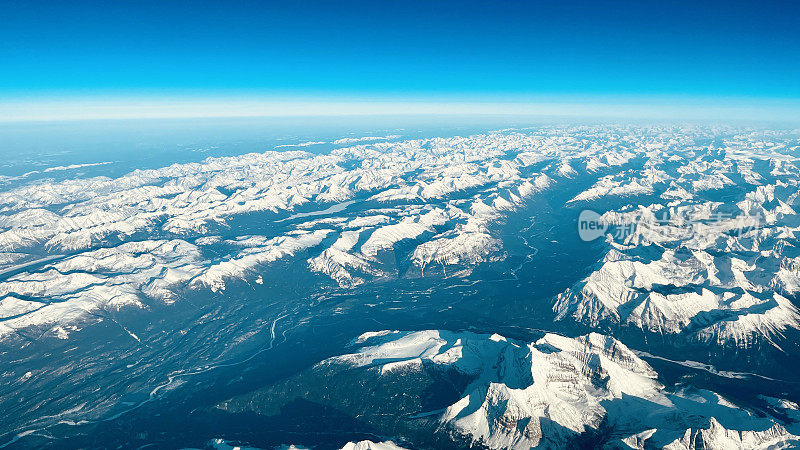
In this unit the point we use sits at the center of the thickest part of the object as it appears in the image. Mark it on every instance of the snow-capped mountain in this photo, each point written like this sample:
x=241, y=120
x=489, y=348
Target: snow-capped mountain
x=442, y=196
x=683, y=262
x=554, y=392
x=187, y=279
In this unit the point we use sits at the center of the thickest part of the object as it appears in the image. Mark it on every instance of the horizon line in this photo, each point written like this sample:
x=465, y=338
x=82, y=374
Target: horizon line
x=195, y=107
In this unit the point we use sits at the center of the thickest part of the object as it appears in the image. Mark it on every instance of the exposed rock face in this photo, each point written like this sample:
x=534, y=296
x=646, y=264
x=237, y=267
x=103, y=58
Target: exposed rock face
x=438, y=196
x=684, y=262
x=719, y=271
x=718, y=437
x=558, y=391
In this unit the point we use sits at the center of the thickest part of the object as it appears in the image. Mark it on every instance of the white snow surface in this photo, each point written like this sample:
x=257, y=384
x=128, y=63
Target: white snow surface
x=83, y=246
x=547, y=392
x=680, y=261
x=438, y=196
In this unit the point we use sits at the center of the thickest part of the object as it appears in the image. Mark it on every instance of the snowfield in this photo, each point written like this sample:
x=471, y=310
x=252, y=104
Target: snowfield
x=547, y=393
x=720, y=272
x=167, y=278
x=728, y=277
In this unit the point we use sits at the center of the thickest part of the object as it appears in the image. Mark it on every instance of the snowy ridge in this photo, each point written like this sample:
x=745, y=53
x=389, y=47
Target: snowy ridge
x=188, y=205
x=718, y=437
x=83, y=287
x=549, y=392
x=421, y=207
x=369, y=445
x=222, y=444
x=722, y=272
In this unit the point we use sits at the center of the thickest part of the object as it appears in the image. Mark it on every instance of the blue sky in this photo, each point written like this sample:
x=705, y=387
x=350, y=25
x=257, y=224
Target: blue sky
x=421, y=51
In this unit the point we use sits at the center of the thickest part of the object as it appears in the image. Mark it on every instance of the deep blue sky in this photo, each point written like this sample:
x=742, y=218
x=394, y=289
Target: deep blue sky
x=400, y=48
